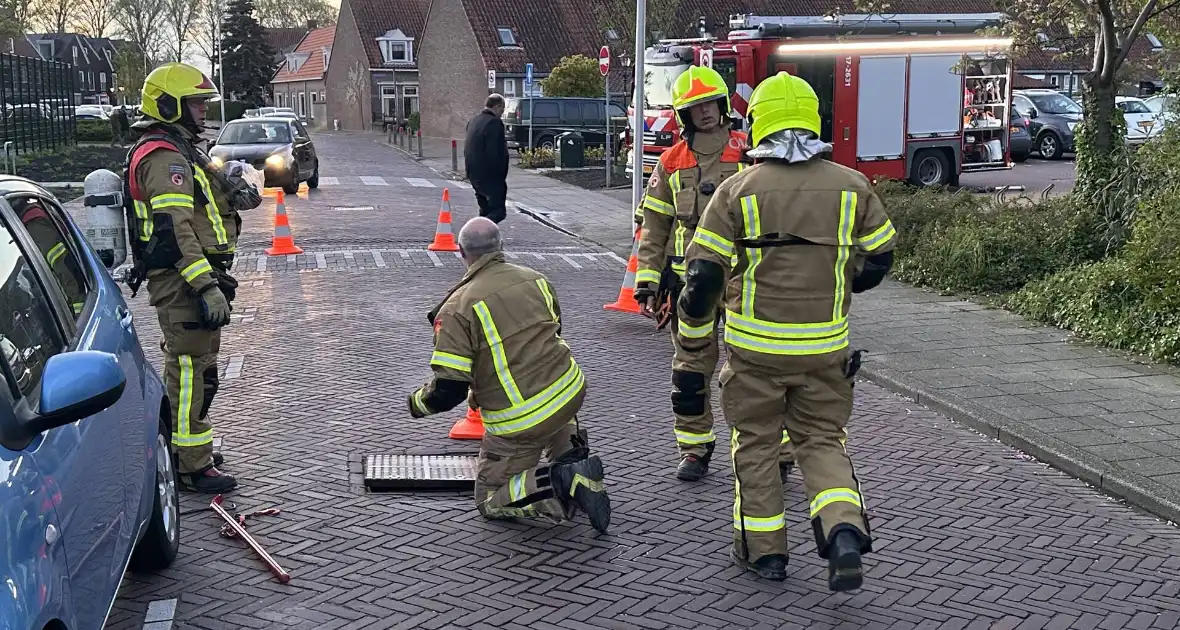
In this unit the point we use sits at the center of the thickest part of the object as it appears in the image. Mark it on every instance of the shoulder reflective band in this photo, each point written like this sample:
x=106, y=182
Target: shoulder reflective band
x=194, y=270
x=211, y=210
x=172, y=200
x=844, y=251
x=499, y=357
x=146, y=225
x=674, y=182
x=55, y=253
x=548, y=295
x=448, y=360
x=752, y=229
x=713, y=241
x=657, y=205
x=878, y=237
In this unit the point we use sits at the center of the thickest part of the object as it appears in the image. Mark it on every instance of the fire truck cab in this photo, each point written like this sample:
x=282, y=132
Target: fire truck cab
x=911, y=97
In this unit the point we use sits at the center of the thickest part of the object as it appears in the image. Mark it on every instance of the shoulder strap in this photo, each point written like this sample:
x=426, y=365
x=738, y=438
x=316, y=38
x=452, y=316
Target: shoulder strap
x=146, y=144
x=678, y=157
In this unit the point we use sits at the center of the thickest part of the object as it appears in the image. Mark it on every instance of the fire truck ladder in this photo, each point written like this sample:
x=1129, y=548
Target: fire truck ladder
x=916, y=23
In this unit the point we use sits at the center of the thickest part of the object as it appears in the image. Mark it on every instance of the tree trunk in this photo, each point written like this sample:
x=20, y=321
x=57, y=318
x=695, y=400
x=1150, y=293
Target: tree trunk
x=1098, y=103
x=1099, y=138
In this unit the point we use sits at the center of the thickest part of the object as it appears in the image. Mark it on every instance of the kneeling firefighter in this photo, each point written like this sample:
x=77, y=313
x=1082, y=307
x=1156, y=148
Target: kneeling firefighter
x=680, y=188
x=807, y=234
x=183, y=216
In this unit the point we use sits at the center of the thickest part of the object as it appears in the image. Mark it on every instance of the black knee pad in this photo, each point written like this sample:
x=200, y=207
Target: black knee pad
x=211, y=384
x=688, y=395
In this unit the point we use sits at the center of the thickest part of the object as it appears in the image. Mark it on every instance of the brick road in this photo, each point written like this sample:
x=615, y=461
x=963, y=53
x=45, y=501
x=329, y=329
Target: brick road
x=970, y=534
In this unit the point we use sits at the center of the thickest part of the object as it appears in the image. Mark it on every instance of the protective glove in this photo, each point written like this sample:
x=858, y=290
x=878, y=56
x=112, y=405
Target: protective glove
x=229, y=287
x=644, y=294
x=214, y=308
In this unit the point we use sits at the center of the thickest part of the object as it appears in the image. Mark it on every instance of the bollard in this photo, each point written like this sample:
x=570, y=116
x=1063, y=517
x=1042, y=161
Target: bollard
x=419, y=134
x=410, y=135
x=454, y=156
x=10, y=154
x=388, y=135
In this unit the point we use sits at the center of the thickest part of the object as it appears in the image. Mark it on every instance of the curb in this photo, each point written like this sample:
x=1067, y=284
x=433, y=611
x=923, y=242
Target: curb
x=1130, y=487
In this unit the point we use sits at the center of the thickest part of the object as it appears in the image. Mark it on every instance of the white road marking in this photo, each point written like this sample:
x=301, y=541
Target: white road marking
x=378, y=259
x=261, y=266
x=161, y=610
x=566, y=257
x=373, y=180
x=404, y=254
x=459, y=184
x=321, y=261
x=291, y=258
x=233, y=369
x=329, y=181
x=349, y=257
x=434, y=257
x=418, y=182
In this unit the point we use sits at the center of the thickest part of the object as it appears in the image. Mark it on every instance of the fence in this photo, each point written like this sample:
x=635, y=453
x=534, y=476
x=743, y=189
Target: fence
x=36, y=104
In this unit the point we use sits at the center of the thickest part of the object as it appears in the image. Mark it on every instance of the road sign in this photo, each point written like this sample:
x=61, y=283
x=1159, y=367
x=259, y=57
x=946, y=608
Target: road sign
x=604, y=60
x=491, y=79
x=706, y=58
x=528, y=74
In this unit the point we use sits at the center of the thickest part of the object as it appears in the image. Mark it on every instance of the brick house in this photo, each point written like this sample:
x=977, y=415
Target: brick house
x=372, y=74
x=299, y=81
x=93, y=59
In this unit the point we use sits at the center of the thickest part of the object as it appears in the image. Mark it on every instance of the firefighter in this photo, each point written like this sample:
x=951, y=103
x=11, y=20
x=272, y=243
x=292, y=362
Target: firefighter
x=801, y=228
x=498, y=334
x=182, y=213
x=680, y=188
x=48, y=238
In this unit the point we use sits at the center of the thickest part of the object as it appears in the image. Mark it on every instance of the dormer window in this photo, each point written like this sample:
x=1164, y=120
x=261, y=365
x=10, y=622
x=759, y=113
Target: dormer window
x=507, y=37
x=612, y=35
x=327, y=52
x=75, y=49
x=1156, y=44
x=396, y=47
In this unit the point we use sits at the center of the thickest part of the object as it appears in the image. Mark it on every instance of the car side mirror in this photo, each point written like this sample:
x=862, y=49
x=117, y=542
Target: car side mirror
x=74, y=385
x=1032, y=113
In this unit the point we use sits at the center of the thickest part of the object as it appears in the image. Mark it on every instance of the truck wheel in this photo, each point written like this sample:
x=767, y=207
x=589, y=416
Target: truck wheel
x=1049, y=146
x=161, y=542
x=930, y=168
x=545, y=142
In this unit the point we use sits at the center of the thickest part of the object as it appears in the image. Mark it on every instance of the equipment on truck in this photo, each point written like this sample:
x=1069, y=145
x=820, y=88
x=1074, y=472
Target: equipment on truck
x=918, y=97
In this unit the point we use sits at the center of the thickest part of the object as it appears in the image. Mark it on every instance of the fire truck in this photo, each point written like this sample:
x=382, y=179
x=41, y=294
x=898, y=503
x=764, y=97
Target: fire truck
x=917, y=97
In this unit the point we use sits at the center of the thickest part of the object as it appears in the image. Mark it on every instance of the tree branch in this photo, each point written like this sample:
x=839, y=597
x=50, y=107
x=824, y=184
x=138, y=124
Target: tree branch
x=1110, y=40
x=1133, y=34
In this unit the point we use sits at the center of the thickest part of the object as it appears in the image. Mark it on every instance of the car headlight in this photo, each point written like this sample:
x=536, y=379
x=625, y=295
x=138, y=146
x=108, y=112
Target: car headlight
x=276, y=161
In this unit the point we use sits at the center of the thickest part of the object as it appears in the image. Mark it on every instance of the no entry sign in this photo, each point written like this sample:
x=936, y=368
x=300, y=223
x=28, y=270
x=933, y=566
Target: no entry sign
x=604, y=60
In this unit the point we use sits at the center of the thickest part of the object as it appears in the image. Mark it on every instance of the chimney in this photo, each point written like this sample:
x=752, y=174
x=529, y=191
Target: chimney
x=311, y=24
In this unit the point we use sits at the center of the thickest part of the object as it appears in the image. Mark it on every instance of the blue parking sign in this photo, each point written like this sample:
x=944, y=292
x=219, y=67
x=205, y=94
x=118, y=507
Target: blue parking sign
x=528, y=74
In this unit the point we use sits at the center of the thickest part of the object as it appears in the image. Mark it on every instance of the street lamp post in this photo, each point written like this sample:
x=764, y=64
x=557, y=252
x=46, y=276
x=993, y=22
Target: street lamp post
x=637, y=126
x=220, y=61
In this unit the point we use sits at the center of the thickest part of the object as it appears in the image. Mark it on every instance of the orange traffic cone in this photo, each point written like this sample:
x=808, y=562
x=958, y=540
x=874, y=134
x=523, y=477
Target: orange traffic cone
x=283, y=242
x=626, y=302
x=469, y=428
x=444, y=237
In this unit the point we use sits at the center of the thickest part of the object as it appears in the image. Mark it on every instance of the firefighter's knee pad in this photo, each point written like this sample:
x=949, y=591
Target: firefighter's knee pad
x=211, y=384
x=688, y=393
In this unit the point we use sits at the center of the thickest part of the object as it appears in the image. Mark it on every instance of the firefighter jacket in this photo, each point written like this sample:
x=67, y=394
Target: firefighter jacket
x=499, y=334
x=47, y=235
x=178, y=204
x=679, y=190
x=796, y=230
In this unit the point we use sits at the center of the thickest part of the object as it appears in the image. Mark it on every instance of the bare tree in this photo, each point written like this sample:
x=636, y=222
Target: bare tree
x=55, y=16
x=182, y=18
x=139, y=20
x=17, y=16
x=206, y=29
x=295, y=13
x=94, y=17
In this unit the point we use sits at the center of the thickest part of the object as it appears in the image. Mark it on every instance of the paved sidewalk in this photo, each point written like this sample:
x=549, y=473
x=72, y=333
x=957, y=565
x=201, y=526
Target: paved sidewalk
x=1100, y=415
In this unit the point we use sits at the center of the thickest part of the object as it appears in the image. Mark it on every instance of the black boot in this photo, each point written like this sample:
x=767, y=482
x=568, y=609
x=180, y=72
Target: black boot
x=845, y=572
x=784, y=470
x=209, y=480
x=772, y=567
x=694, y=467
x=581, y=483
x=218, y=459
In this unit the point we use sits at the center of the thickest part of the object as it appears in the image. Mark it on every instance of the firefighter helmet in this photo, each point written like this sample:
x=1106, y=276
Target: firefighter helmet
x=166, y=88
x=782, y=102
x=698, y=85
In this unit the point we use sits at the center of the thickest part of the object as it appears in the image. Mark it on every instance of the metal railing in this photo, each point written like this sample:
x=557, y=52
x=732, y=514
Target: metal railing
x=37, y=100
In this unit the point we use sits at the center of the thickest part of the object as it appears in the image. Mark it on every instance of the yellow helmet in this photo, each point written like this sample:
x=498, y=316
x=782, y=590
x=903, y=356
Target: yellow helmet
x=782, y=102
x=698, y=85
x=171, y=83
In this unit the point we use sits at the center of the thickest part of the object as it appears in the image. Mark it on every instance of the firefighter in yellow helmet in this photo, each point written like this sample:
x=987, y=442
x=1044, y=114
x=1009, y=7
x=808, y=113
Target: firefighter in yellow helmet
x=183, y=213
x=708, y=153
x=807, y=234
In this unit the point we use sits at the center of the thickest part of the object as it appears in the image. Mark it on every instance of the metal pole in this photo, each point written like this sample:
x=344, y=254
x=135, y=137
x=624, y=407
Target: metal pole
x=531, y=102
x=606, y=108
x=454, y=156
x=419, y=134
x=637, y=116
x=221, y=63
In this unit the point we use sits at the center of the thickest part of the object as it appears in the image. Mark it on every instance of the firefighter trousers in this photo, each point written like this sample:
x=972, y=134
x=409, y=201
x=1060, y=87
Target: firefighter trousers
x=816, y=406
x=511, y=482
x=190, y=367
x=694, y=432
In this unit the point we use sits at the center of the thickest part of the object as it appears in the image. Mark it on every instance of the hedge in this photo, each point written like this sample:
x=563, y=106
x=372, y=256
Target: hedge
x=93, y=131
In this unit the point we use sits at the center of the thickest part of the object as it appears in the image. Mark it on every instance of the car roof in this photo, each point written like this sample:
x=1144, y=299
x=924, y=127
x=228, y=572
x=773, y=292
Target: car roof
x=261, y=119
x=10, y=184
x=1123, y=99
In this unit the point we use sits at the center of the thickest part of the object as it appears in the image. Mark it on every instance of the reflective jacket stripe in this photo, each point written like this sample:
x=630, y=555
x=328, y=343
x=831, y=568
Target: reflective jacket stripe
x=741, y=339
x=775, y=330
x=694, y=332
x=453, y=361
x=879, y=237
x=647, y=275
x=658, y=205
x=753, y=228
x=544, y=286
x=211, y=209
x=538, y=408
x=496, y=345
x=713, y=241
x=172, y=200
x=834, y=495
x=55, y=253
x=199, y=267
x=844, y=238
x=147, y=227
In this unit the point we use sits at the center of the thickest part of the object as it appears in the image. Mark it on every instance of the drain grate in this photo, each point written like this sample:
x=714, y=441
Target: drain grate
x=419, y=472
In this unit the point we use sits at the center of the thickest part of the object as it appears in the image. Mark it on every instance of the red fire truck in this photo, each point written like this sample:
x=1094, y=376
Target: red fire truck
x=912, y=97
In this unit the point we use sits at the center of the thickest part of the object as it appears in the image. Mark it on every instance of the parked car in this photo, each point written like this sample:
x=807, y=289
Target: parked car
x=89, y=112
x=1165, y=106
x=1053, y=118
x=89, y=481
x=1142, y=123
x=555, y=116
x=280, y=147
x=1019, y=140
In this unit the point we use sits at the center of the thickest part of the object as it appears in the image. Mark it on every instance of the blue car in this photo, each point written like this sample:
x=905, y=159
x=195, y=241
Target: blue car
x=87, y=481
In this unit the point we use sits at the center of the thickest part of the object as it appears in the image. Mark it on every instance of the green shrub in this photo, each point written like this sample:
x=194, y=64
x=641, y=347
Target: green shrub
x=547, y=158
x=93, y=131
x=415, y=121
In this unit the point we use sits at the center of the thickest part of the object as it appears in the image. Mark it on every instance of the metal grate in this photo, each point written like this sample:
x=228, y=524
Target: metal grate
x=420, y=472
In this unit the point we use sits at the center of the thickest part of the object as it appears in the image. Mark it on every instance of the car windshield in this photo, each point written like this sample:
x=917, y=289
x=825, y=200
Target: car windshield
x=1054, y=104
x=1134, y=107
x=270, y=132
x=657, y=84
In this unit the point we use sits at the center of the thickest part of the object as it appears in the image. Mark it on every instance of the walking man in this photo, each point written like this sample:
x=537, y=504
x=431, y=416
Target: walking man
x=807, y=234
x=497, y=335
x=485, y=155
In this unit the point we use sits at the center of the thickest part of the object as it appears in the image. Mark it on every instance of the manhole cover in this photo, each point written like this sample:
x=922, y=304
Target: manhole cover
x=419, y=472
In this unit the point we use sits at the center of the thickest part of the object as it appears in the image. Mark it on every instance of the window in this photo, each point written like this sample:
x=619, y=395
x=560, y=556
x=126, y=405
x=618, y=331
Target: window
x=570, y=112
x=300, y=131
x=507, y=37
x=509, y=87
x=327, y=52
x=612, y=35
x=81, y=79
x=42, y=222
x=102, y=81
x=301, y=101
x=727, y=68
x=75, y=51
x=396, y=47
x=1156, y=44
x=617, y=112
x=592, y=112
x=29, y=333
x=323, y=98
x=1054, y=81
x=546, y=112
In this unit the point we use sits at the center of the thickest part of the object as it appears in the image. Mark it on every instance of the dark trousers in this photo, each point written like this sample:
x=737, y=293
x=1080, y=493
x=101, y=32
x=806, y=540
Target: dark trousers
x=491, y=198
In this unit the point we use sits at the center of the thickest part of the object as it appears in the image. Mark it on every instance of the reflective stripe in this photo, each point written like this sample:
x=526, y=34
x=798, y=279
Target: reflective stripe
x=694, y=332
x=55, y=253
x=760, y=523
x=681, y=232
x=843, y=250
x=496, y=345
x=714, y=242
x=183, y=435
x=742, y=166
x=538, y=408
x=678, y=267
x=658, y=205
x=786, y=438
x=146, y=225
x=454, y=361
x=78, y=306
x=211, y=209
x=172, y=200
x=775, y=330
x=764, y=345
x=191, y=272
x=420, y=403
x=544, y=286
x=834, y=495
x=684, y=437
x=878, y=237
x=516, y=487
x=674, y=182
x=753, y=229
x=647, y=275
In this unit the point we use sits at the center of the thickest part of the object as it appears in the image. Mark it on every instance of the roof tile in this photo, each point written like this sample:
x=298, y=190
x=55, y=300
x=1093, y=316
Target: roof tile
x=375, y=17
x=313, y=68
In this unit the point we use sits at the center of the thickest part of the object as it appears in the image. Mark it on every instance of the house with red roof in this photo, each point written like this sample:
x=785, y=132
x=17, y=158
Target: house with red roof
x=299, y=81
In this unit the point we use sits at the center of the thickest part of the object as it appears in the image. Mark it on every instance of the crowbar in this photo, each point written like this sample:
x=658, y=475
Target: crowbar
x=241, y=532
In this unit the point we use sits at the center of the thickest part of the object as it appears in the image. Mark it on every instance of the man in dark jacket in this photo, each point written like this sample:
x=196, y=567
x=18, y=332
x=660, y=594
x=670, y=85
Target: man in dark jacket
x=485, y=154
